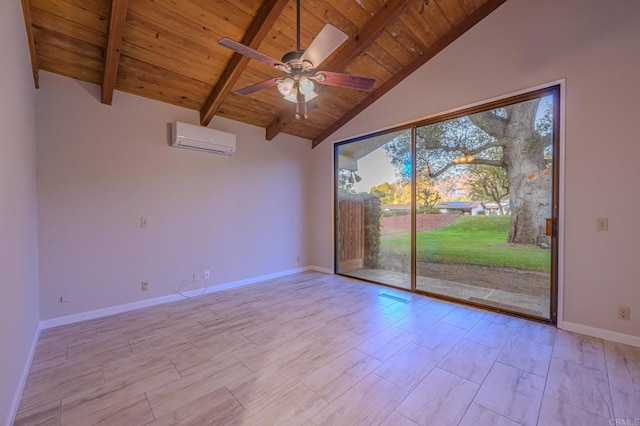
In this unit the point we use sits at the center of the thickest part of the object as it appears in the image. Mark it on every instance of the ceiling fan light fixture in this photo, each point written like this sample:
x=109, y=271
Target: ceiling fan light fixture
x=306, y=88
x=286, y=86
x=292, y=96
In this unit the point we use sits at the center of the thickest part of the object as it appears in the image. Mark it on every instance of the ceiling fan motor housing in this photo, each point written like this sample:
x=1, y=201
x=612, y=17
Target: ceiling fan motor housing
x=293, y=60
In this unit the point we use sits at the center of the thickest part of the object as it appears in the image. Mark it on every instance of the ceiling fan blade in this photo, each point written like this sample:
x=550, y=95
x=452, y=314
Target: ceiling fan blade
x=345, y=80
x=251, y=53
x=325, y=43
x=259, y=86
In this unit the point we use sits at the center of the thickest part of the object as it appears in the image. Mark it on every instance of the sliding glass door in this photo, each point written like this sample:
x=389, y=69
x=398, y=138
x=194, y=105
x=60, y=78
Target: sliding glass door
x=490, y=178
x=463, y=206
x=373, y=210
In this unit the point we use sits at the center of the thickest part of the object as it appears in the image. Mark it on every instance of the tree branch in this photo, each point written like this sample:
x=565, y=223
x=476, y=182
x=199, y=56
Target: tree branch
x=491, y=123
x=434, y=175
x=497, y=163
x=466, y=151
x=486, y=146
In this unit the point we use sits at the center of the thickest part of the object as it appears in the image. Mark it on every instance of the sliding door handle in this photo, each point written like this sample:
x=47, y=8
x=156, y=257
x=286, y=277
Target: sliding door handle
x=550, y=230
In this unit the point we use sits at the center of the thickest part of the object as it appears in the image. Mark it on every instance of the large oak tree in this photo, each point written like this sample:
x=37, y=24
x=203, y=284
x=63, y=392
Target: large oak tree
x=513, y=137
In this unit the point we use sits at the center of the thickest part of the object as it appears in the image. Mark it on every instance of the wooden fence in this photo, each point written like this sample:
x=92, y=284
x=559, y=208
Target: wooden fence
x=358, y=233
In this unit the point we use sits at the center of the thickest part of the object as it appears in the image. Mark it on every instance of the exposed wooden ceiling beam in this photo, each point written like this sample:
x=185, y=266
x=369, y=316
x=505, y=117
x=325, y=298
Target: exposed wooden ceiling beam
x=26, y=13
x=262, y=23
x=114, y=43
x=433, y=50
x=350, y=51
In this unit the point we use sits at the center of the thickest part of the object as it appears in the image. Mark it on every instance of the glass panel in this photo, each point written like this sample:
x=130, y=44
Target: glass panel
x=483, y=193
x=373, y=208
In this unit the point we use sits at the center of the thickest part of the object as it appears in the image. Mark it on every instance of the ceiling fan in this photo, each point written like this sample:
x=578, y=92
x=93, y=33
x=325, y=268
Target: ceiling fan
x=300, y=67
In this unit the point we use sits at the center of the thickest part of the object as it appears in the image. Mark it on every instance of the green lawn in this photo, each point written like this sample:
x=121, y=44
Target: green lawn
x=477, y=240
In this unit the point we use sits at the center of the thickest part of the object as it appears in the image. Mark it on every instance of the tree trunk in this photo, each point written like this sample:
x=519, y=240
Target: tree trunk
x=529, y=179
x=530, y=204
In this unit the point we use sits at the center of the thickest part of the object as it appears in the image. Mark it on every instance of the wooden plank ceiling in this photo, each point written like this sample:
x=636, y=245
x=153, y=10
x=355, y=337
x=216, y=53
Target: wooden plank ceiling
x=167, y=50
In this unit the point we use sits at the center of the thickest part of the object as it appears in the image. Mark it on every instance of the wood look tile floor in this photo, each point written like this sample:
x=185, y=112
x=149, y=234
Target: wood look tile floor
x=315, y=349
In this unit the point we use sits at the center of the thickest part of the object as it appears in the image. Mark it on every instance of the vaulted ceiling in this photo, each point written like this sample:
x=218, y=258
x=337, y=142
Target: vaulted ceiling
x=167, y=50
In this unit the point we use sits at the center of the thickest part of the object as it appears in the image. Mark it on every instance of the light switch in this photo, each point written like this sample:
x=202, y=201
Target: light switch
x=144, y=222
x=602, y=224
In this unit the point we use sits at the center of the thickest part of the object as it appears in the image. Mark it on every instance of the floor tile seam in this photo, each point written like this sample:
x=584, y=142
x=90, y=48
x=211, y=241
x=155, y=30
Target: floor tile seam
x=574, y=405
x=451, y=325
x=383, y=360
x=606, y=367
x=478, y=343
x=149, y=405
x=541, y=396
x=399, y=414
x=347, y=389
x=282, y=390
x=444, y=354
x=485, y=344
x=234, y=397
x=503, y=415
x=394, y=384
x=515, y=337
x=368, y=355
x=459, y=376
x=318, y=396
x=176, y=369
x=455, y=325
x=232, y=355
x=520, y=368
x=609, y=359
x=373, y=372
x=587, y=353
x=473, y=399
x=18, y=414
x=582, y=365
x=105, y=392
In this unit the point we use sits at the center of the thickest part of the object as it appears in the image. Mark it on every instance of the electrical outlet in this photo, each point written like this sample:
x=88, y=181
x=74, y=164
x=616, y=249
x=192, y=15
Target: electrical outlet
x=64, y=299
x=298, y=259
x=207, y=274
x=144, y=222
x=602, y=224
x=624, y=313
x=195, y=277
x=144, y=286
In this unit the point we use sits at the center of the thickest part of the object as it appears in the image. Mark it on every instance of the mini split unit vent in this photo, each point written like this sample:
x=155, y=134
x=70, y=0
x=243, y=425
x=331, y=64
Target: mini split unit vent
x=203, y=139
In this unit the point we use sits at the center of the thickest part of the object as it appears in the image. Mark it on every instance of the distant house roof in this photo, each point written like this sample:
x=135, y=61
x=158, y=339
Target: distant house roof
x=458, y=205
x=494, y=206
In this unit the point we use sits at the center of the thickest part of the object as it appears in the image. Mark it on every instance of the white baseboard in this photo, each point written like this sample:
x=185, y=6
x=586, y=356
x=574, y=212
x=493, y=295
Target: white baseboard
x=105, y=312
x=240, y=283
x=320, y=269
x=613, y=336
x=112, y=310
x=23, y=379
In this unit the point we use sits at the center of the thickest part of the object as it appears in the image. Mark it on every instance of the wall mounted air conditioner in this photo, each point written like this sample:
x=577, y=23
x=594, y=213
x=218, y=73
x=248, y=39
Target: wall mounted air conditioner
x=202, y=139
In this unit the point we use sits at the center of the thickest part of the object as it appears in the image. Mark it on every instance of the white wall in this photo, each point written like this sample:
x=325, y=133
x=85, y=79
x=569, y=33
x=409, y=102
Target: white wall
x=595, y=46
x=101, y=168
x=18, y=207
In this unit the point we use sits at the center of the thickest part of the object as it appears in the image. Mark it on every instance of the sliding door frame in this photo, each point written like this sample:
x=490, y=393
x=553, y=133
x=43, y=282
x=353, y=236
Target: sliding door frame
x=555, y=90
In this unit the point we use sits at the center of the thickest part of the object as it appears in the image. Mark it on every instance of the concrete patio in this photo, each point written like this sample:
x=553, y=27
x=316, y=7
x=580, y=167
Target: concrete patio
x=535, y=306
